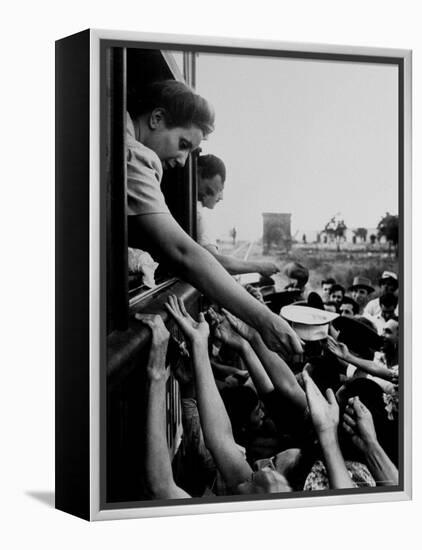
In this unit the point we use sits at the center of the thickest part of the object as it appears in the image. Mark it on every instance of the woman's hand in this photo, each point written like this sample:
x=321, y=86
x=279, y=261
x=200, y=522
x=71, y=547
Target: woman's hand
x=278, y=335
x=359, y=424
x=324, y=412
x=195, y=332
x=338, y=349
x=156, y=367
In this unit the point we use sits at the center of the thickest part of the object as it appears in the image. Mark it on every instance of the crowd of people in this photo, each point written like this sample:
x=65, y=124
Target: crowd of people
x=257, y=422
x=274, y=399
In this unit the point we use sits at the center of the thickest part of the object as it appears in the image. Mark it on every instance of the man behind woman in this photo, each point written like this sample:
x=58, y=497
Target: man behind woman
x=164, y=127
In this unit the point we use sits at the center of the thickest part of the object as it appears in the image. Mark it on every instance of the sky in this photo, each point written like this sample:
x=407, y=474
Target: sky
x=313, y=138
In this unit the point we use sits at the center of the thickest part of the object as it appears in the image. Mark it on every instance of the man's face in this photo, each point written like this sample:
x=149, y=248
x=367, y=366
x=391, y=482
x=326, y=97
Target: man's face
x=326, y=288
x=388, y=286
x=390, y=334
x=209, y=201
x=360, y=295
x=172, y=145
x=387, y=312
x=346, y=310
x=336, y=296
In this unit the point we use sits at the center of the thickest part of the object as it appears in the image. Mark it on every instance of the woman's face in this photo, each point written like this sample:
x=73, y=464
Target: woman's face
x=172, y=145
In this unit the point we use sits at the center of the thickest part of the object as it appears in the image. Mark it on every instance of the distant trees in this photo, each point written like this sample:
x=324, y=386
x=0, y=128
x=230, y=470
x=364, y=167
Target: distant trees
x=387, y=230
x=361, y=233
x=388, y=227
x=335, y=229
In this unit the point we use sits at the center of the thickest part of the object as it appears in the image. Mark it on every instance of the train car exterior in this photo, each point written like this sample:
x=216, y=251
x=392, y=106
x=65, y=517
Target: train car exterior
x=126, y=71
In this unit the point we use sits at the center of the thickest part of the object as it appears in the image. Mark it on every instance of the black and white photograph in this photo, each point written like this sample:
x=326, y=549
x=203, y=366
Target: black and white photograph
x=252, y=274
x=210, y=225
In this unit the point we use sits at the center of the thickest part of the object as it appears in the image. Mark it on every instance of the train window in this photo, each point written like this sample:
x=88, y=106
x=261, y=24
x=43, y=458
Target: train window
x=132, y=274
x=129, y=290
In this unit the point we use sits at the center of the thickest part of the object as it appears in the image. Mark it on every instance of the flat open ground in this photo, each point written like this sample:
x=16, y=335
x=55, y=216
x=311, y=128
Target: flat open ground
x=323, y=261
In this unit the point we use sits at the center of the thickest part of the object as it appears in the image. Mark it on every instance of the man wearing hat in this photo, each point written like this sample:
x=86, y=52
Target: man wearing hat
x=389, y=283
x=309, y=323
x=359, y=345
x=361, y=289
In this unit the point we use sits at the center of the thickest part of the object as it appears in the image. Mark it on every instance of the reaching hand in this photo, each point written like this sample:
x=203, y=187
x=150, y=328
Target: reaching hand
x=267, y=269
x=324, y=412
x=279, y=336
x=228, y=335
x=156, y=366
x=194, y=331
x=359, y=424
x=337, y=348
x=244, y=330
x=160, y=335
x=213, y=317
x=256, y=293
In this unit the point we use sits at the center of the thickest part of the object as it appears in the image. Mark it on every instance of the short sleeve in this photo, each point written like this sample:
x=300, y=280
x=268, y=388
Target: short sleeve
x=144, y=173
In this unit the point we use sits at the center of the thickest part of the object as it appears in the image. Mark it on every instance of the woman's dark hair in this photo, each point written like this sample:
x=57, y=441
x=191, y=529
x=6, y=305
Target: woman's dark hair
x=181, y=106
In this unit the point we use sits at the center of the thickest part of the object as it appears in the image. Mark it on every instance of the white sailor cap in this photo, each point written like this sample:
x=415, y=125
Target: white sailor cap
x=309, y=323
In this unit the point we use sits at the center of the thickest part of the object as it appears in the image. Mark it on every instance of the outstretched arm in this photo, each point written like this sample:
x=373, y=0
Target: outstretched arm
x=280, y=374
x=230, y=337
x=325, y=417
x=167, y=241
x=236, y=266
x=342, y=352
x=215, y=422
x=359, y=424
x=222, y=371
x=158, y=470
